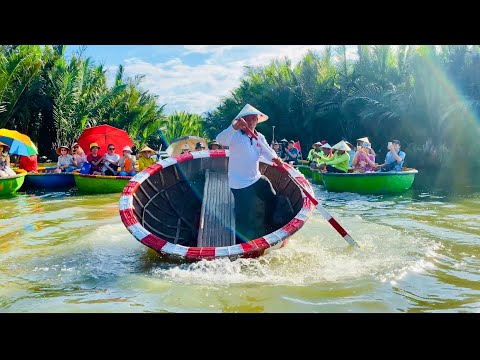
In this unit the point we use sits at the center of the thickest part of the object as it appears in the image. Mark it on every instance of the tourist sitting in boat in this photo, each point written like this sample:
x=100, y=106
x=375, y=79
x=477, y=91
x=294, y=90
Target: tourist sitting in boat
x=291, y=153
x=362, y=140
x=199, y=146
x=316, y=148
x=127, y=162
x=5, y=171
x=214, y=145
x=65, y=160
x=276, y=147
x=364, y=161
x=4, y=157
x=145, y=158
x=28, y=163
x=95, y=160
x=351, y=154
x=339, y=161
x=110, y=161
x=78, y=156
x=185, y=149
x=394, y=158
x=244, y=177
x=283, y=147
x=324, y=155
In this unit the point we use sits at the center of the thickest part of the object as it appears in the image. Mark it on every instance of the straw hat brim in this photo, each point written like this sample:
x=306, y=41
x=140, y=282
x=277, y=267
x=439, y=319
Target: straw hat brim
x=250, y=110
x=364, y=139
x=62, y=147
x=146, y=148
x=342, y=145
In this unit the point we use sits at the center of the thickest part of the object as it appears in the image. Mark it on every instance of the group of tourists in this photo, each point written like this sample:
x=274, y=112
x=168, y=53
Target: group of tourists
x=287, y=151
x=199, y=146
x=343, y=157
x=110, y=163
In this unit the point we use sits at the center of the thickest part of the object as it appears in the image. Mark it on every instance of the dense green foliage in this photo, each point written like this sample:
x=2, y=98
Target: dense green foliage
x=52, y=99
x=426, y=96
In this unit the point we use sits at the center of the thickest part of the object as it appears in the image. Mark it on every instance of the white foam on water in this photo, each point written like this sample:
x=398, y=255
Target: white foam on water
x=318, y=254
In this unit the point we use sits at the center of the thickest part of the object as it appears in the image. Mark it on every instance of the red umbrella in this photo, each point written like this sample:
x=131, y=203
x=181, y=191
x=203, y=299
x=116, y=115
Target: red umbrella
x=104, y=135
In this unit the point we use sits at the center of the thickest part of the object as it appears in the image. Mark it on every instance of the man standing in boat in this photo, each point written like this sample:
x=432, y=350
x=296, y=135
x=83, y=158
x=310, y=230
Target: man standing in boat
x=244, y=177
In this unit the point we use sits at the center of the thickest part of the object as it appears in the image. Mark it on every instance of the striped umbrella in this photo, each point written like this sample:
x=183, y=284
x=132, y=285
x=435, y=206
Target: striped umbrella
x=19, y=143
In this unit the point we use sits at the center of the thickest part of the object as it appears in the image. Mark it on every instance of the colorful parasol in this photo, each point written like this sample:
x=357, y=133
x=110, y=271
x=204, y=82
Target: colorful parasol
x=20, y=144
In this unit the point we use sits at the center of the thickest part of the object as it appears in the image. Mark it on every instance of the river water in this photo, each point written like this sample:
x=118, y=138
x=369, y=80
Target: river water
x=419, y=252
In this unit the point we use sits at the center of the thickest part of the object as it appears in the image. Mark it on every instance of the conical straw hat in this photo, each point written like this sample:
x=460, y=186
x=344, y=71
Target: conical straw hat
x=146, y=148
x=250, y=110
x=342, y=145
x=364, y=139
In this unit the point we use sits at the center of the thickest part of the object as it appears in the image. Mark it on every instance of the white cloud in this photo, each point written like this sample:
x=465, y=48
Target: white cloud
x=199, y=88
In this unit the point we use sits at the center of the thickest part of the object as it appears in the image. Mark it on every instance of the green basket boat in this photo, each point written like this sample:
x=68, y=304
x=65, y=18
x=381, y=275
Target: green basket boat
x=370, y=183
x=317, y=177
x=305, y=170
x=9, y=185
x=100, y=184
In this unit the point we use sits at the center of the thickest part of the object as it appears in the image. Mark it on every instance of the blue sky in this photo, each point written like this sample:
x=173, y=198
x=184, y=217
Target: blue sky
x=192, y=78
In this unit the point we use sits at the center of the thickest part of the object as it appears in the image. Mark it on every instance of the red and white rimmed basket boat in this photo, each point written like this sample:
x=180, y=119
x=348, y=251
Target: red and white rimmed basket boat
x=182, y=207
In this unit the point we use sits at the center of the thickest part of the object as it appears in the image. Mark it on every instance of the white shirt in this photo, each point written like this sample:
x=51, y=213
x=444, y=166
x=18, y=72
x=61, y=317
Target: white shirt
x=245, y=156
x=114, y=157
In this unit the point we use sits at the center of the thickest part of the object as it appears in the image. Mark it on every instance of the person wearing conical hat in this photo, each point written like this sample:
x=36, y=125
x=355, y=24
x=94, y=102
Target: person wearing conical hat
x=316, y=149
x=127, y=162
x=244, y=177
x=325, y=154
x=146, y=159
x=364, y=161
x=214, y=145
x=362, y=140
x=339, y=161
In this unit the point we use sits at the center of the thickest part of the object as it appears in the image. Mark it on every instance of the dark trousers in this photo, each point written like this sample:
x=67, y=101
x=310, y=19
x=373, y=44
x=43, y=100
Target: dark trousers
x=247, y=224
x=332, y=169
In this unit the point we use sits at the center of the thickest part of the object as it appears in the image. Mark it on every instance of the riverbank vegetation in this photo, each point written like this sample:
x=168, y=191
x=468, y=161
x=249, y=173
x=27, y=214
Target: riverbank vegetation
x=428, y=97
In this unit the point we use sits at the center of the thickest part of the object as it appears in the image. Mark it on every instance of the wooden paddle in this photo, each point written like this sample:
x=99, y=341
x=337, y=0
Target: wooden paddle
x=319, y=207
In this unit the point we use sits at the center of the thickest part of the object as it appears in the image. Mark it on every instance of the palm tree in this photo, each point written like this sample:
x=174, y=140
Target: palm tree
x=181, y=124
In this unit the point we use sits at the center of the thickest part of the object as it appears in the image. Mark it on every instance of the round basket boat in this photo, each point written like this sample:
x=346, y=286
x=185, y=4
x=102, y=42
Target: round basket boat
x=48, y=180
x=182, y=207
x=100, y=184
x=9, y=185
x=392, y=182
